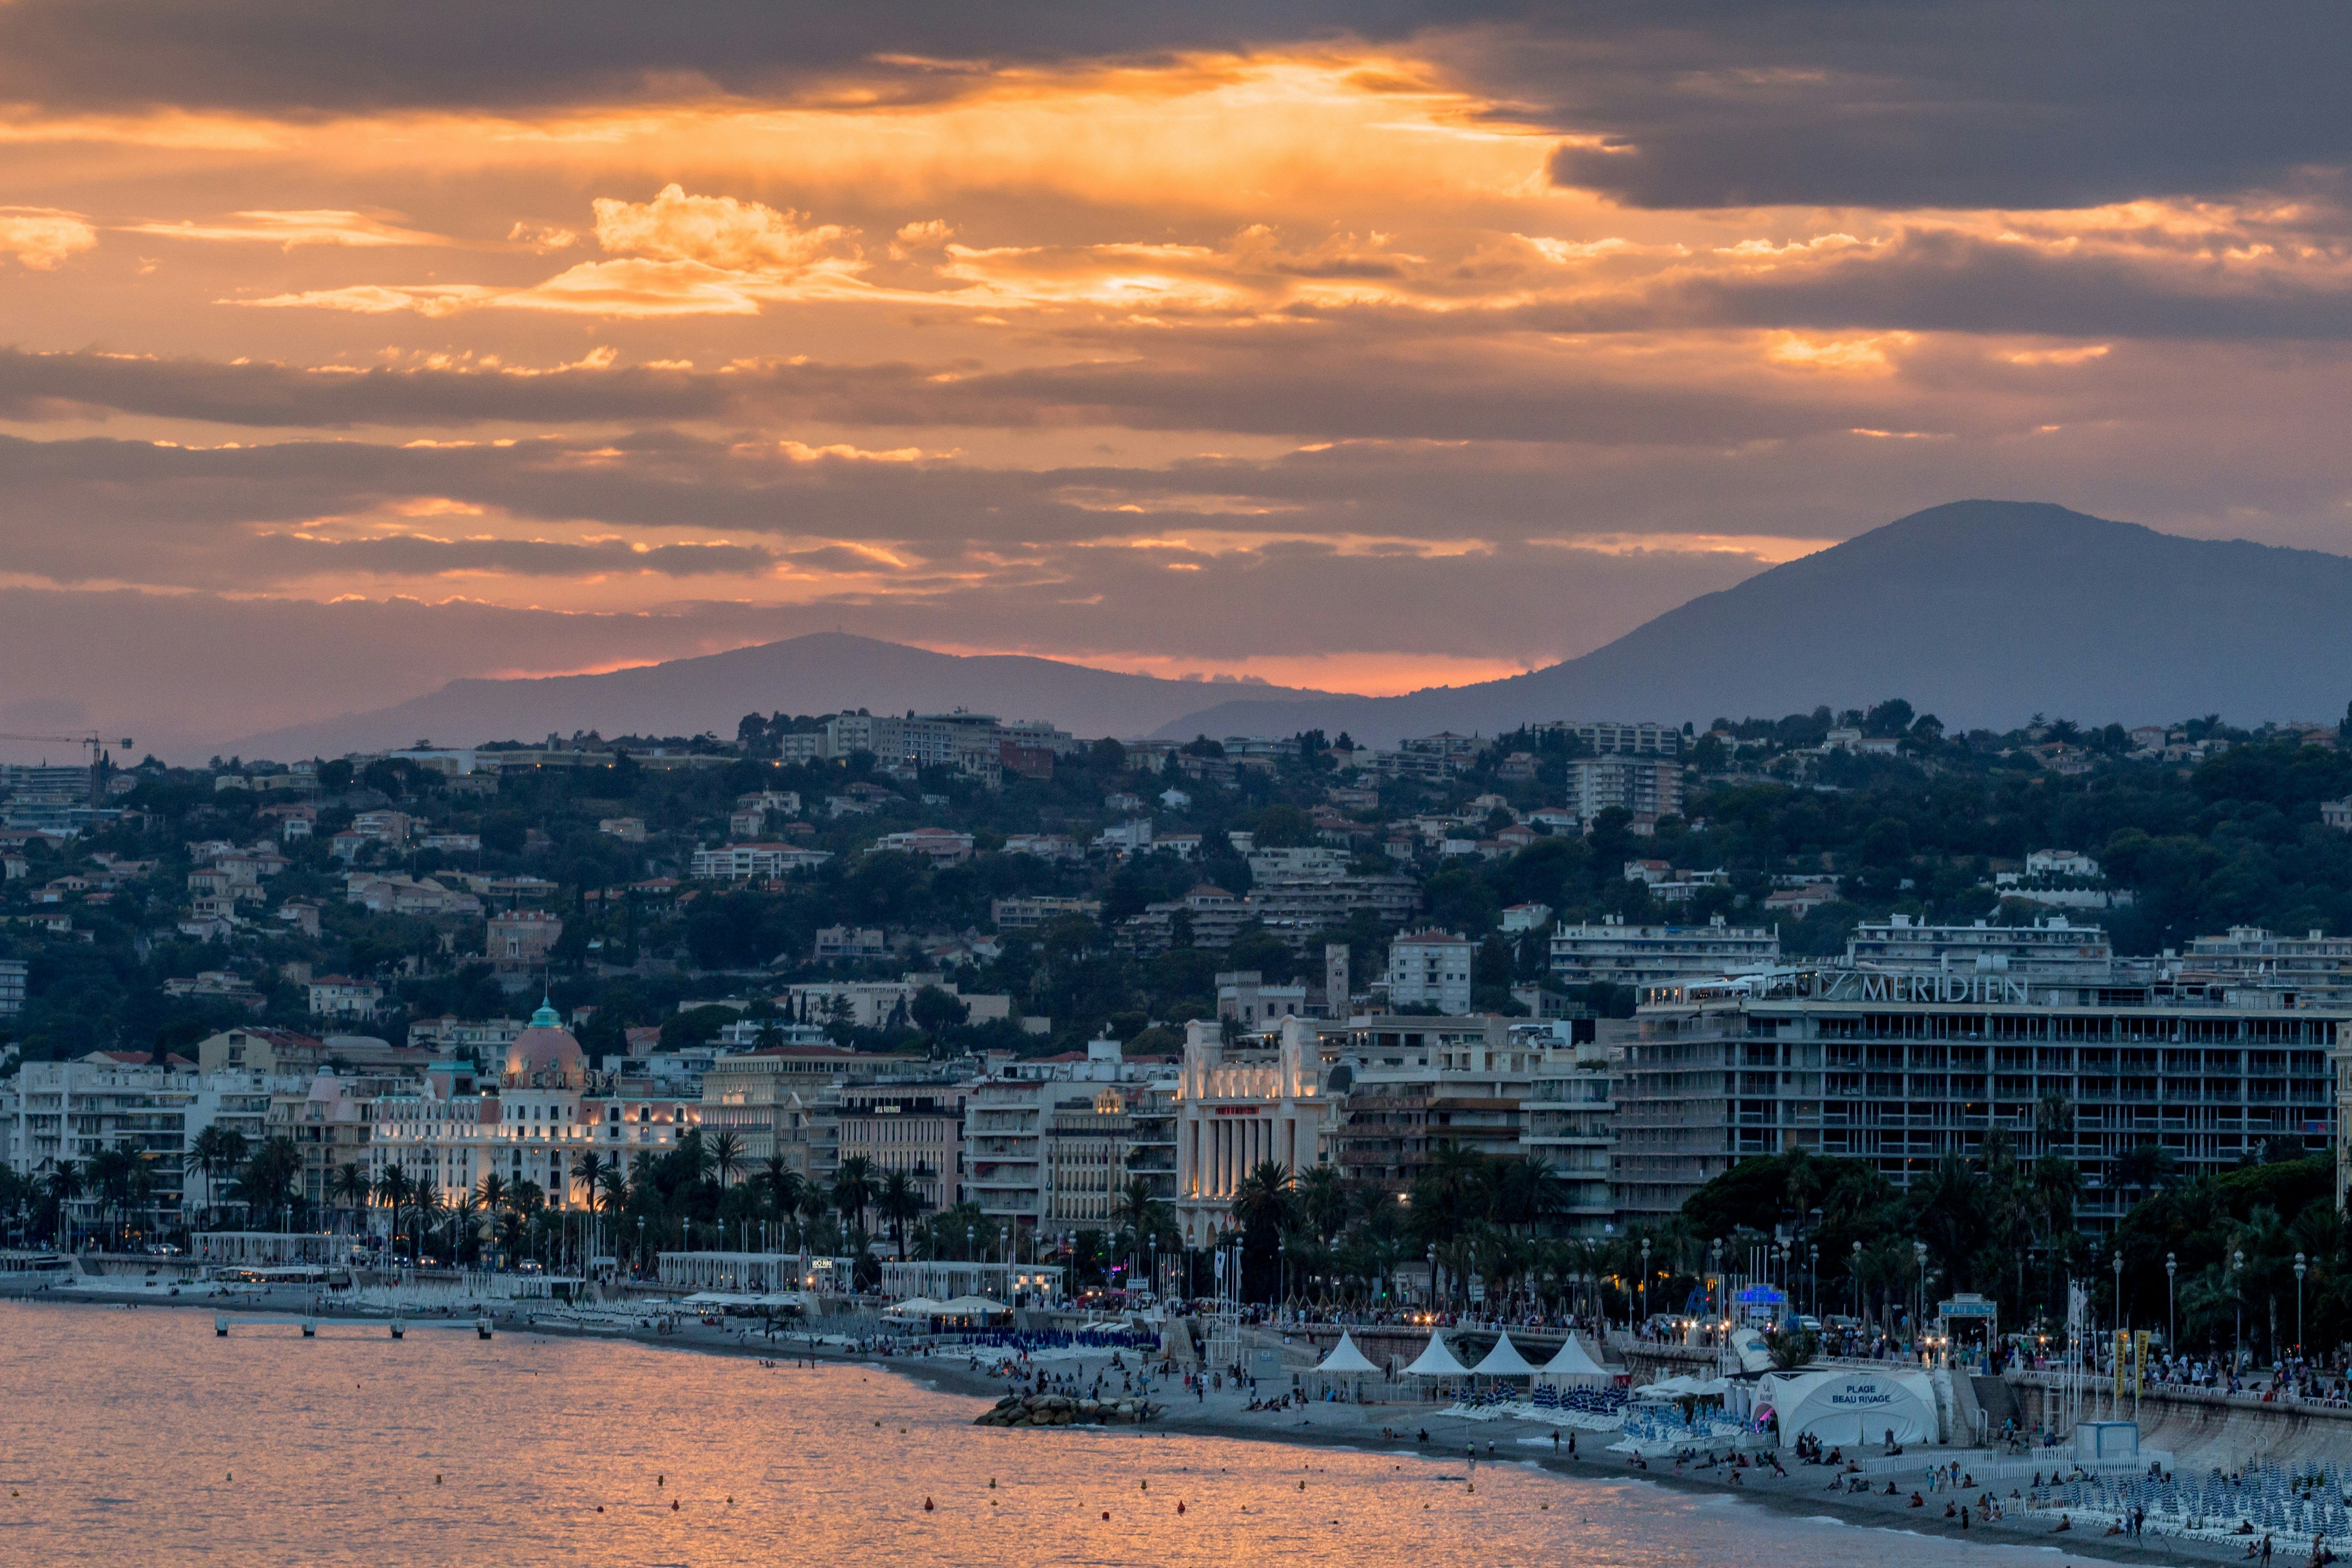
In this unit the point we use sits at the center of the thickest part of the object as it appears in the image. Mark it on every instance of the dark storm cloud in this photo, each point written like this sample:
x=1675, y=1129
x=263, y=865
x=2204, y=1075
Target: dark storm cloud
x=1702, y=103
x=1962, y=103
x=290, y=55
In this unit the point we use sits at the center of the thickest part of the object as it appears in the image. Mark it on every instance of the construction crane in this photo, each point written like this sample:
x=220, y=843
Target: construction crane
x=96, y=745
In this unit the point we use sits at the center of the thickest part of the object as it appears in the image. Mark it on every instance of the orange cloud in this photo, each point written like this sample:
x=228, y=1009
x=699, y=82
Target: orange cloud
x=289, y=229
x=43, y=238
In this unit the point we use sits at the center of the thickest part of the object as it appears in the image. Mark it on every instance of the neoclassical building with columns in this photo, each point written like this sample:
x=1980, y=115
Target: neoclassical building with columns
x=1237, y=1107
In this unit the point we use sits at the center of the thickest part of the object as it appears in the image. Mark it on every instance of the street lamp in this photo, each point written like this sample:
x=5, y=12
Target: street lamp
x=2171, y=1268
x=2298, y=1303
x=2116, y=1389
x=1645, y=1279
x=2238, y=1351
x=1920, y=1261
x=1854, y=1275
x=1432, y=1277
x=1717, y=1297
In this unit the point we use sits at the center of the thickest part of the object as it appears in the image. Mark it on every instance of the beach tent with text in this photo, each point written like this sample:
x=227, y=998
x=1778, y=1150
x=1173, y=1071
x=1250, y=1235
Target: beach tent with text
x=1437, y=1361
x=1850, y=1407
x=1574, y=1368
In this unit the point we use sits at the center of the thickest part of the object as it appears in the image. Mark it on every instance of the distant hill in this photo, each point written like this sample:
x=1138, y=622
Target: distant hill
x=1982, y=612
x=822, y=673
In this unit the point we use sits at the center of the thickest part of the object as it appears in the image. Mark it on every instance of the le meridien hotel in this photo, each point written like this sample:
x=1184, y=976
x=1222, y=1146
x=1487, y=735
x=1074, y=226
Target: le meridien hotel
x=1901, y=1069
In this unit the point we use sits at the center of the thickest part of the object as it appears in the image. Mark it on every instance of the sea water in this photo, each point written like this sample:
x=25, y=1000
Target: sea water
x=138, y=1437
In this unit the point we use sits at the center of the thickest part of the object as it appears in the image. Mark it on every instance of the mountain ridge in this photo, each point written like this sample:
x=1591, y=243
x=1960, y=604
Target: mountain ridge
x=820, y=672
x=1982, y=612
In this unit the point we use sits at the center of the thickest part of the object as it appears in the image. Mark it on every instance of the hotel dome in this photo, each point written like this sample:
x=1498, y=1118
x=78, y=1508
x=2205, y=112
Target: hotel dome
x=545, y=1053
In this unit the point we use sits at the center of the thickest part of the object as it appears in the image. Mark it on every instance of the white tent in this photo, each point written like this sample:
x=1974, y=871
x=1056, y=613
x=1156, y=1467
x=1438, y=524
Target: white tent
x=1668, y=1388
x=913, y=1310
x=1345, y=1357
x=1851, y=1407
x=970, y=1307
x=1437, y=1361
x=1505, y=1360
x=1574, y=1367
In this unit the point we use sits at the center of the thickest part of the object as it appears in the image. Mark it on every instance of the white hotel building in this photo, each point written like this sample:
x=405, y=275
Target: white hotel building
x=1236, y=1107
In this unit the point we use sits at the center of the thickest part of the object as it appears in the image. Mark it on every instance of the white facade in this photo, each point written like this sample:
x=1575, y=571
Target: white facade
x=1622, y=954
x=1238, y=1108
x=742, y=862
x=1431, y=969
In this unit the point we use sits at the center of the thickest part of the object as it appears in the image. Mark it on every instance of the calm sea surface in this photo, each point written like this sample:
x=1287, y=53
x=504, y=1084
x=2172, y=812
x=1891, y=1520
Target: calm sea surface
x=137, y=1437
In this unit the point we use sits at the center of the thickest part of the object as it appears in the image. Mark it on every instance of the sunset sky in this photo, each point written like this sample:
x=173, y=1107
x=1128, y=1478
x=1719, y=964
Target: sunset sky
x=348, y=349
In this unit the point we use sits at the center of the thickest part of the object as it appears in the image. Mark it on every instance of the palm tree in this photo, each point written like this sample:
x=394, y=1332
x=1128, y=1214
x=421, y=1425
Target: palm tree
x=1322, y=1197
x=615, y=1182
x=899, y=1201
x=727, y=1155
x=269, y=1181
x=695, y=1154
x=464, y=1216
x=781, y=1184
x=392, y=1190
x=854, y=1189
x=1139, y=1216
x=428, y=1205
x=814, y=1206
x=493, y=1193
x=588, y=1169
x=110, y=1173
x=214, y=1153
x=65, y=1185
x=349, y=1185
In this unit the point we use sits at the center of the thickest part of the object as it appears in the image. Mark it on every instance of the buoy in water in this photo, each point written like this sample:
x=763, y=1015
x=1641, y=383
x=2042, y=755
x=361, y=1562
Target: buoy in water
x=659, y=1481
x=1106, y=1514
x=1179, y=1506
x=1145, y=1486
x=437, y=1478
x=673, y=1505
x=1302, y=1486
x=600, y=1508
x=926, y=1505
x=992, y=1483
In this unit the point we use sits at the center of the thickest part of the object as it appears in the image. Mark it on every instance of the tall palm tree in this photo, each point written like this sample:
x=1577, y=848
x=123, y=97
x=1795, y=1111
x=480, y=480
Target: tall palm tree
x=780, y=1184
x=493, y=1193
x=214, y=1153
x=694, y=1153
x=899, y=1201
x=853, y=1188
x=814, y=1206
x=349, y=1187
x=65, y=1185
x=727, y=1155
x=428, y=1206
x=615, y=1182
x=392, y=1190
x=588, y=1171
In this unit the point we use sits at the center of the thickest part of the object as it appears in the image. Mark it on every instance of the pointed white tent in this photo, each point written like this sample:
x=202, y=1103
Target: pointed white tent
x=1437, y=1361
x=1346, y=1358
x=1575, y=1367
x=1505, y=1360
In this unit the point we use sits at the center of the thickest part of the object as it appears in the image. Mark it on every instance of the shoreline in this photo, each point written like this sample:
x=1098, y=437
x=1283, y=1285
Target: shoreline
x=1316, y=1427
